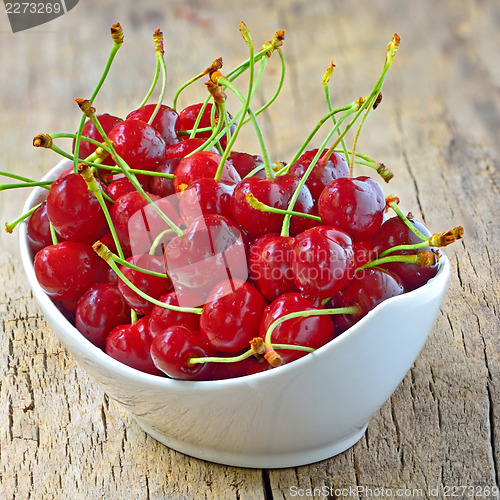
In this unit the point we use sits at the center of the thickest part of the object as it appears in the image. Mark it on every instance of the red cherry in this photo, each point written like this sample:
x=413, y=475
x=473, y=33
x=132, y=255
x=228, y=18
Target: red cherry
x=269, y=265
x=206, y=196
x=131, y=344
x=38, y=233
x=244, y=163
x=248, y=366
x=276, y=193
x=183, y=148
x=323, y=261
x=74, y=211
x=167, y=122
x=154, y=286
x=363, y=252
x=162, y=318
x=355, y=205
x=202, y=165
x=89, y=130
x=369, y=288
x=99, y=310
x=66, y=270
x=231, y=316
x=394, y=232
x=163, y=186
x=311, y=331
x=119, y=187
x=322, y=173
x=172, y=348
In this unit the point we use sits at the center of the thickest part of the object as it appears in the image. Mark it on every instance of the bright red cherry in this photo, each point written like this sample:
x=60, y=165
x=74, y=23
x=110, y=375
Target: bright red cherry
x=39, y=229
x=172, y=349
x=355, y=205
x=66, y=270
x=394, y=232
x=202, y=165
x=100, y=309
x=183, y=148
x=231, y=316
x=154, y=286
x=270, y=265
x=323, y=261
x=163, y=186
x=74, y=211
x=119, y=187
x=322, y=173
x=130, y=344
x=167, y=122
x=310, y=331
x=244, y=163
x=276, y=193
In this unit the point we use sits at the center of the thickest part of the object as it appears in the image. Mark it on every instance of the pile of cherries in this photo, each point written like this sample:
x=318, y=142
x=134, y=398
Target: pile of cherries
x=181, y=256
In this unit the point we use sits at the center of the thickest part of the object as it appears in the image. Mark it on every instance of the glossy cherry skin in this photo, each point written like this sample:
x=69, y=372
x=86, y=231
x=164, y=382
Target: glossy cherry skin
x=107, y=122
x=167, y=122
x=210, y=250
x=154, y=286
x=119, y=187
x=100, y=309
x=323, y=261
x=130, y=344
x=369, y=288
x=38, y=231
x=183, y=148
x=322, y=173
x=355, y=205
x=66, y=270
x=206, y=196
x=312, y=331
x=244, y=163
x=270, y=265
x=202, y=165
x=162, y=318
x=364, y=251
x=172, y=348
x=163, y=186
x=248, y=366
x=231, y=316
x=394, y=232
x=276, y=193
x=74, y=211
x=138, y=144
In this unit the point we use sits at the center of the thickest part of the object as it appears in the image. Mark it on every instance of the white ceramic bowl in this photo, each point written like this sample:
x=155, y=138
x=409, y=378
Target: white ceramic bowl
x=309, y=410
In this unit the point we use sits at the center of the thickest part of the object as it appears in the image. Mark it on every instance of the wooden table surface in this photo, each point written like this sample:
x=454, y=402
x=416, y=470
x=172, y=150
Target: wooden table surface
x=438, y=129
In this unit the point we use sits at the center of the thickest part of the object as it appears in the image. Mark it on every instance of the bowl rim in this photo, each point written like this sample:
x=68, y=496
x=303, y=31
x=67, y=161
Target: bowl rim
x=121, y=370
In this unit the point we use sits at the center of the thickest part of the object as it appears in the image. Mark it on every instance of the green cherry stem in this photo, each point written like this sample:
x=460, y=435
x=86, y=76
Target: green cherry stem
x=422, y=258
x=104, y=252
x=153, y=85
x=10, y=226
x=117, y=37
x=15, y=185
x=160, y=53
x=402, y=216
x=53, y=234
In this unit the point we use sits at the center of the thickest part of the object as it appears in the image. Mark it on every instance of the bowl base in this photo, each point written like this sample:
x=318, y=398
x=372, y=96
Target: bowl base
x=256, y=461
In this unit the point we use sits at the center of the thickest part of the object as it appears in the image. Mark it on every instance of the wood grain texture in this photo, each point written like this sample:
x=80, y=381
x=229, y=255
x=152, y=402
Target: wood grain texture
x=437, y=128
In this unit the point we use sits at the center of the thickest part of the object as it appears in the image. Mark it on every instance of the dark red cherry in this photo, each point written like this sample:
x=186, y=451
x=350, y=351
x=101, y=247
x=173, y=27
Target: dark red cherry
x=66, y=270
x=39, y=229
x=154, y=286
x=270, y=265
x=162, y=318
x=248, y=366
x=130, y=344
x=172, y=348
x=323, y=261
x=206, y=196
x=202, y=165
x=231, y=316
x=138, y=144
x=74, y=211
x=244, y=163
x=166, y=122
x=322, y=173
x=394, y=232
x=276, y=193
x=355, y=205
x=210, y=250
x=163, y=186
x=311, y=331
x=99, y=310
x=363, y=252
x=119, y=187
x=107, y=122
x=183, y=148
x=369, y=288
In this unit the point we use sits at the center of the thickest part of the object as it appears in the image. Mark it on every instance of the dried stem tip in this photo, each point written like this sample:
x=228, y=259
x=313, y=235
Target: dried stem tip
x=273, y=358
x=217, y=77
x=117, y=33
x=215, y=66
x=328, y=73
x=102, y=250
x=42, y=141
x=389, y=200
x=216, y=92
x=378, y=100
x=385, y=172
x=158, y=41
x=426, y=258
x=85, y=106
x=277, y=41
x=447, y=237
x=258, y=346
